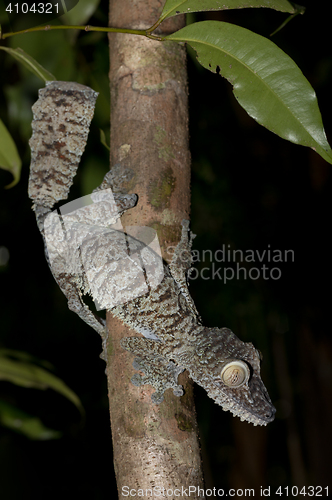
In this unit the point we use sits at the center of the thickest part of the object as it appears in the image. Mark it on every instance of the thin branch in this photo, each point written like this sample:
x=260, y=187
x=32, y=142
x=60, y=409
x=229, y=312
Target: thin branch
x=146, y=33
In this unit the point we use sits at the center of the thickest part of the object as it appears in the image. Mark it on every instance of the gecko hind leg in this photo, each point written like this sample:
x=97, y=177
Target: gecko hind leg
x=76, y=304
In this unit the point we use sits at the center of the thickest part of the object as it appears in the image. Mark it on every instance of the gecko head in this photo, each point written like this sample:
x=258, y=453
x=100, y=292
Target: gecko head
x=229, y=370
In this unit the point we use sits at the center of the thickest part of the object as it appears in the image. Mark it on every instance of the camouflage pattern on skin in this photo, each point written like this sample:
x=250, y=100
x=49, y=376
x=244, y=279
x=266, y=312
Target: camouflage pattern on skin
x=88, y=253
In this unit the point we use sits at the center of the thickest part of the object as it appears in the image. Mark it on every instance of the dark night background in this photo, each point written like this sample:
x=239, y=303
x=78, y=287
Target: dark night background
x=250, y=189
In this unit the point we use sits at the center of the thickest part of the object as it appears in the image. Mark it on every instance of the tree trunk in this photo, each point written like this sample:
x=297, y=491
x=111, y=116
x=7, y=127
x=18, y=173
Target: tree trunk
x=155, y=446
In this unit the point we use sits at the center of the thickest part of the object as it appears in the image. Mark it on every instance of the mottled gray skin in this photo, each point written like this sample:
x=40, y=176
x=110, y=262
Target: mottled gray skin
x=183, y=342
x=174, y=338
x=62, y=117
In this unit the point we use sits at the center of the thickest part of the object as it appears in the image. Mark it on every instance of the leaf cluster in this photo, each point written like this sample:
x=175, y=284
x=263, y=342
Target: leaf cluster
x=266, y=82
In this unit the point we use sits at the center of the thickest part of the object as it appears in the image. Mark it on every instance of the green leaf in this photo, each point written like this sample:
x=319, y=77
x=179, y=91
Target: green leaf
x=54, y=53
x=79, y=14
x=103, y=139
x=20, y=421
x=24, y=356
x=298, y=10
x=266, y=82
x=9, y=157
x=30, y=63
x=30, y=375
x=18, y=100
x=174, y=7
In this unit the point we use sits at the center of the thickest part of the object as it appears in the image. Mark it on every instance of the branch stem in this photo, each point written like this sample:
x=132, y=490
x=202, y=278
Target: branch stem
x=146, y=33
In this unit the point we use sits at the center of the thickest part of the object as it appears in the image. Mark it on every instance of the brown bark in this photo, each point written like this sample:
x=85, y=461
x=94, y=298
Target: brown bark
x=154, y=445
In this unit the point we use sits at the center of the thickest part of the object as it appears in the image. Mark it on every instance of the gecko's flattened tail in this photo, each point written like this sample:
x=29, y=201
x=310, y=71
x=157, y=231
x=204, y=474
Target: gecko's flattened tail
x=62, y=117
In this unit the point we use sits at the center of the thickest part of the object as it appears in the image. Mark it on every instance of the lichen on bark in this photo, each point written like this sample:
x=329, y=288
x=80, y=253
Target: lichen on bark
x=149, y=116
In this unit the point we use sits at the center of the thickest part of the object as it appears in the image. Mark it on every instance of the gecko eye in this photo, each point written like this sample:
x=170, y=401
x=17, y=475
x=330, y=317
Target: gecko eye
x=235, y=373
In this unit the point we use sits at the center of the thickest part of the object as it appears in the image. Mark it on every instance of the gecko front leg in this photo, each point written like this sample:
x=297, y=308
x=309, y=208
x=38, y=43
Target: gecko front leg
x=154, y=358
x=159, y=372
